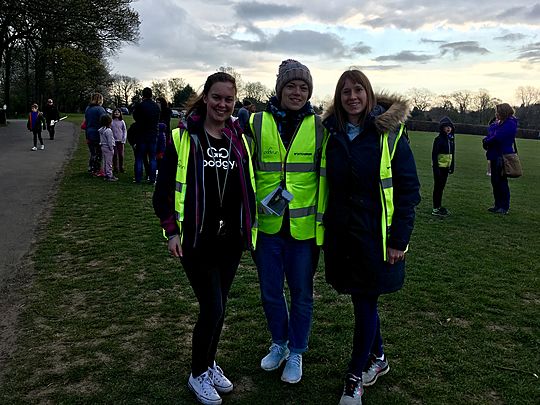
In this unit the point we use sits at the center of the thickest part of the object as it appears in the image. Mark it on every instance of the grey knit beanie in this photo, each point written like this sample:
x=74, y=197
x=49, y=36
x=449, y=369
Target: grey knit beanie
x=291, y=69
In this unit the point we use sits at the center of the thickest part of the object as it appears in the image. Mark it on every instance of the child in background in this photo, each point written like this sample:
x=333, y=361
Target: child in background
x=36, y=123
x=106, y=141
x=119, y=130
x=161, y=142
x=442, y=159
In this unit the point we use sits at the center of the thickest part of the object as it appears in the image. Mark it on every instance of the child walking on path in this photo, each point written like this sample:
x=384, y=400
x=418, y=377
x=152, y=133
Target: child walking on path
x=442, y=160
x=107, y=146
x=119, y=130
x=36, y=122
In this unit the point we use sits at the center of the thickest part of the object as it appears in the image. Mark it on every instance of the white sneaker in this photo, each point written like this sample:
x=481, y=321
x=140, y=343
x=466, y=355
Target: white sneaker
x=292, y=373
x=276, y=356
x=203, y=389
x=42, y=147
x=221, y=383
x=34, y=148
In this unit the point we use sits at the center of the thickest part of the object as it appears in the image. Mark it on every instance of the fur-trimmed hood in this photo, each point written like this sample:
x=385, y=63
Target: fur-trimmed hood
x=395, y=110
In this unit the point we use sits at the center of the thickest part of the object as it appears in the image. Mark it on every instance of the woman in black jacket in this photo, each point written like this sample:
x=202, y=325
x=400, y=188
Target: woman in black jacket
x=442, y=162
x=363, y=257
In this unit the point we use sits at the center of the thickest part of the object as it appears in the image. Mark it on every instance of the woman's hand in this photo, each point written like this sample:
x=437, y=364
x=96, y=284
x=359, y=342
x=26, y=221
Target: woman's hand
x=174, y=246
x=394, y=255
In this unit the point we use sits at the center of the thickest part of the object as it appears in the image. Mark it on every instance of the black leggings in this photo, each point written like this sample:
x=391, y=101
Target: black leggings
x=210, y=271
x=37, y=135
x=440, y=176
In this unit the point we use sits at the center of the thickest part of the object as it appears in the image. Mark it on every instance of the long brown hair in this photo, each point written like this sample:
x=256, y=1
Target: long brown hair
x=198, y=103
x=337, y=109
x=504, y=110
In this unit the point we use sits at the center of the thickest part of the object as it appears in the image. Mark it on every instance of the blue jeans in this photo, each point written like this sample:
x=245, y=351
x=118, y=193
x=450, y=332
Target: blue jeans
x=499, y=182
x=143, y=149
x=278, y=257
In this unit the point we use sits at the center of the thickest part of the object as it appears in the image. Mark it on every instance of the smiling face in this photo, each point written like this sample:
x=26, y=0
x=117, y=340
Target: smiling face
x=294, y=95
x=220, y=102
x=353, y=100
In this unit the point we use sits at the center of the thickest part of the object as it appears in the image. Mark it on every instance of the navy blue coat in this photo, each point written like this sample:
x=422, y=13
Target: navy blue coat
x=353, y=250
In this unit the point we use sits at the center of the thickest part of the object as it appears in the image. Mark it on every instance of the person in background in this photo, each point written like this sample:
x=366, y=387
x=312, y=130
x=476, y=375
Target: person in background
x=369, y=213
x=287, y=145
x=106, y=138
x=119, y=130
x=35, y=124
x=92, y=117
x=165, y=115
x=501, y=139
x=205, y=201
x=51, y=117
x=442, y=162
x=146, y=115
x=244, y=113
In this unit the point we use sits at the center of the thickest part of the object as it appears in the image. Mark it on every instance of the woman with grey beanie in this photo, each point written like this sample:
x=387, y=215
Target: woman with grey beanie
x=287, y=144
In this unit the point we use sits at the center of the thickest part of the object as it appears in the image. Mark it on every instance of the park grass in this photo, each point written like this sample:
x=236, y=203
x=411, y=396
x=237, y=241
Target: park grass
x=109, y=315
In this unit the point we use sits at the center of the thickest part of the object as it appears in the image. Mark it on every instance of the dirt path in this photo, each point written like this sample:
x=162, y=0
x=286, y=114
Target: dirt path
x=28, y=184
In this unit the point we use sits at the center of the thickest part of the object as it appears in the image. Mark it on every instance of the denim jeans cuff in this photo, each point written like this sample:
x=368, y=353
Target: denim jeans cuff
x=297, y=351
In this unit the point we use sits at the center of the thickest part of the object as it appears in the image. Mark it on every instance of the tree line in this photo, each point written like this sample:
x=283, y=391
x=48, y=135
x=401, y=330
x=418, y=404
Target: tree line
x=58, y=49
x=476, y=108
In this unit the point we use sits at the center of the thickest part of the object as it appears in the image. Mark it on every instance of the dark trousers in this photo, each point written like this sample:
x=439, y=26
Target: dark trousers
x=440, y=176
x=143, y=151
x=367, y=337
x=37, y=135
x=499, y=183
x=50, y=128
x=210, y=272
x=94, y=164
x=118, y=158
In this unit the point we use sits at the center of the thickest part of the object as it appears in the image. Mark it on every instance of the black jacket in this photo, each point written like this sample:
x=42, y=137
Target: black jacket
x=443, y=143
x=354, y=261
x=146, y=114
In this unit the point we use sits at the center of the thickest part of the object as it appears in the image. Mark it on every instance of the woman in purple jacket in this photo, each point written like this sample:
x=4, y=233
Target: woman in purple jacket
x=500, y=140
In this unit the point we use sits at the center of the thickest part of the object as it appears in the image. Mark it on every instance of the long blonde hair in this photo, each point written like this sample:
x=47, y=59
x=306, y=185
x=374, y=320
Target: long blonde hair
x=96, y=98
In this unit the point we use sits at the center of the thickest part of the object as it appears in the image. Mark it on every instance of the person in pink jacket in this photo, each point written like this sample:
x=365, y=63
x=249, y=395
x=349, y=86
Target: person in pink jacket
x=119, y=130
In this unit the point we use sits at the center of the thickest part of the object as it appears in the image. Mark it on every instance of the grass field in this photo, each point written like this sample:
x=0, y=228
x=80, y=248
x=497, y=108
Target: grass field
x=109, y=315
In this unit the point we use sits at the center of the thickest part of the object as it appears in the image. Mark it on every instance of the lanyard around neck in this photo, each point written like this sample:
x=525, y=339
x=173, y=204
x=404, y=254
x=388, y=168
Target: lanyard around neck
x=221, y=192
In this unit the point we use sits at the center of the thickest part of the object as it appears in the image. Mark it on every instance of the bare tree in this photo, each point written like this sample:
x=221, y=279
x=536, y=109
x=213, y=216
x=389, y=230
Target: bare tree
x=444, y=101
x=175, y=85
x=237, y=76
x=421, y=98
x=123, y=89
x=160, y=88
x=528, y=95
x=463, y=99
x=256, y=91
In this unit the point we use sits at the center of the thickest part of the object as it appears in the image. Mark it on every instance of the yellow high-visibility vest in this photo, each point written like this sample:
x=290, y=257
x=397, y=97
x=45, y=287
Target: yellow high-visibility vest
x=182, y=142
x=297, y=167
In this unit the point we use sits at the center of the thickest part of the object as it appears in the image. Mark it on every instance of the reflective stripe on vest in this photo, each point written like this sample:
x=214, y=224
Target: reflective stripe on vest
x=389, y=141
x=255, y=224
x=301, y=172
x=181, y=141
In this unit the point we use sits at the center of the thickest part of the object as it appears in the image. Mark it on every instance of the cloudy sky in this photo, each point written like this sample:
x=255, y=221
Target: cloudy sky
x=439, y=45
